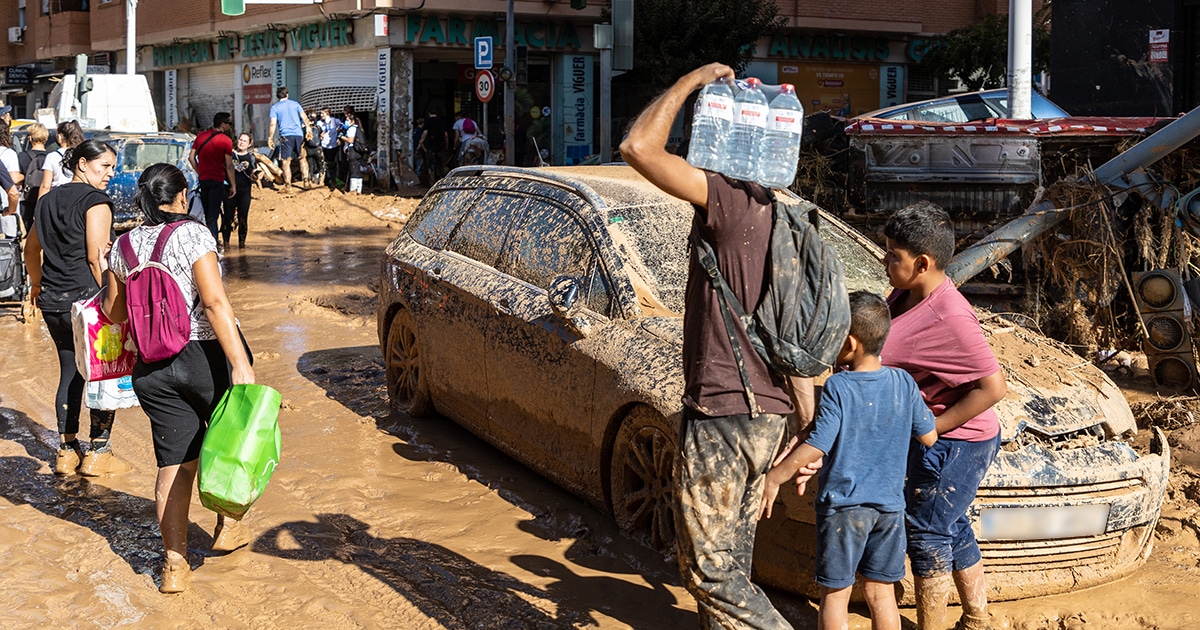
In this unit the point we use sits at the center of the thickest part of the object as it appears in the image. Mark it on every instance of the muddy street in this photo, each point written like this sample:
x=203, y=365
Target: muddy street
x=377, y=520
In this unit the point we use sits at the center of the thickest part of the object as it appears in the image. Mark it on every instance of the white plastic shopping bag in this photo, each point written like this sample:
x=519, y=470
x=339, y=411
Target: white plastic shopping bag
x=110, y=394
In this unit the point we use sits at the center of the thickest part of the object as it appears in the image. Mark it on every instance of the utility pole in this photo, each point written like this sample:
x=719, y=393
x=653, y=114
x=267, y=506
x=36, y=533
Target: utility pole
x=130, y=36
x=510, y=52
x=1020, y=59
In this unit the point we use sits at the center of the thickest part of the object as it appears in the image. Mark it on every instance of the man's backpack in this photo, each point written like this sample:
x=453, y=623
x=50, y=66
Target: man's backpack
x=804, y=316
x=360, y=145
x=159, y=316
x=34, y=170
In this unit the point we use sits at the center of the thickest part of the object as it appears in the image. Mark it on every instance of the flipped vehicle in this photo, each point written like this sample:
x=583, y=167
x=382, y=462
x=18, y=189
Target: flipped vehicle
x=542, y=310
x=135, y=152
x=960, y=152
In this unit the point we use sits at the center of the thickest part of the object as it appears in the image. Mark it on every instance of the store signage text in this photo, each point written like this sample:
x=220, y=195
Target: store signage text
x=457, y=31
x=268, y=43
x=809, y=46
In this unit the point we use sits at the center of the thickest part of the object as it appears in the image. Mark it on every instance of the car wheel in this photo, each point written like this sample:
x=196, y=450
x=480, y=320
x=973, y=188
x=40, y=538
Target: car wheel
x=643, y=463
x=407, y=379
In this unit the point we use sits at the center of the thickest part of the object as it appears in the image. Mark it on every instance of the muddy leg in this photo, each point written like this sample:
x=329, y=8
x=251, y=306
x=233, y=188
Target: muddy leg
x=881, y=599
x=835, y=609
x=932, y=595
x=172, y=494
x=972, y=592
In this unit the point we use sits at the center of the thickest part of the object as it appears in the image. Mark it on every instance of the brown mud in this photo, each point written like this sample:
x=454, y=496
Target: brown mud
x=377, y=520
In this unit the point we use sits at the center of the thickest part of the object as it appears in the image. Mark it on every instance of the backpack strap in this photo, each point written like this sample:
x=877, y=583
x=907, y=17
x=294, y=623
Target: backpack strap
x=730, y=306
x=131, y=257
x=156, y=255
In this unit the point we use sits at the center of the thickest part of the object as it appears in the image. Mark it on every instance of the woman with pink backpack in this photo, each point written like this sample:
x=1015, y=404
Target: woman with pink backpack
x=190, y=350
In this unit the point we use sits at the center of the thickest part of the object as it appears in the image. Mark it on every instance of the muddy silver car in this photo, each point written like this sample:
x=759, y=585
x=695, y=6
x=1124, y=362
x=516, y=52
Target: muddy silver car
x=541, y=309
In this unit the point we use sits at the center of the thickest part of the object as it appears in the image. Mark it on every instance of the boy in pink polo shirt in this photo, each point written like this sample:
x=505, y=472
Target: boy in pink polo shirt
x=936, y=338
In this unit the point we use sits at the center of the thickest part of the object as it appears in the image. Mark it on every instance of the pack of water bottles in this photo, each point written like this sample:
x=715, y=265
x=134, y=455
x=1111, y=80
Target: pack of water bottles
x=748, y=131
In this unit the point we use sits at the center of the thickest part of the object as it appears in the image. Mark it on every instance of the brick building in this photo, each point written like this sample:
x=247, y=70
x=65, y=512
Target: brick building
x=395, y=59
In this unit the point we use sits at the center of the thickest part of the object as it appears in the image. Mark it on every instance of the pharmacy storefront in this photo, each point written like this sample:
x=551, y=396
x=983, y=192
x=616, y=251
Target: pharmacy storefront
x=557, y=80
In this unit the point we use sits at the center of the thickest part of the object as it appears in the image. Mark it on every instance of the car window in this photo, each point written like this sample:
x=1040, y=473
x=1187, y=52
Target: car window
x=599, y=296
x=480, y=236
x=140, y=155
x=433, y=220
x=549, y=243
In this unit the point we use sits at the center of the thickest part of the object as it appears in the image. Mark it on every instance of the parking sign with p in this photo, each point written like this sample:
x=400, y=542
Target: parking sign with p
x=484, y=53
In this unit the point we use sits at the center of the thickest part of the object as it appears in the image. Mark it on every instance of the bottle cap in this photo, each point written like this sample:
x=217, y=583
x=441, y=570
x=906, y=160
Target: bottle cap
x=753, y=82
x=787, y=88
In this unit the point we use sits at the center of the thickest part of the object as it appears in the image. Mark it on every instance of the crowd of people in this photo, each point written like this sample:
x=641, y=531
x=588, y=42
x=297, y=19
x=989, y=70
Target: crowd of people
x=437, y=148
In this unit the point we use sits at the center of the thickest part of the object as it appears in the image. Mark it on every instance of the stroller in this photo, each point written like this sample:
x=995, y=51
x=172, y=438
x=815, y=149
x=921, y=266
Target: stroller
x=14, y=279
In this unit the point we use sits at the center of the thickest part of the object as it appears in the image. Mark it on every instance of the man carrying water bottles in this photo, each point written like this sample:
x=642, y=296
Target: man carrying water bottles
x=725, y=447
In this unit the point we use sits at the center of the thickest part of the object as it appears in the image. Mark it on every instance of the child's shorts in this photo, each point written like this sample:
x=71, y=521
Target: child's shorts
x=859, y=540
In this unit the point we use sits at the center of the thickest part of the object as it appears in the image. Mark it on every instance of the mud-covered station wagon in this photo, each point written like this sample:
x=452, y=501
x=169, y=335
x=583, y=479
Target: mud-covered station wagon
x=542, y=310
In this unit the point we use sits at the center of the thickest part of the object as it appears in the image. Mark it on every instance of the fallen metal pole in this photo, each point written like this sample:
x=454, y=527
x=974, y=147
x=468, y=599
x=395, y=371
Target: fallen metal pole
x=1043, y=216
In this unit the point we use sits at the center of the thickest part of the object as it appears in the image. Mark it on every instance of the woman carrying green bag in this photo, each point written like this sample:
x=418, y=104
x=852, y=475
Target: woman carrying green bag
x=179, y=393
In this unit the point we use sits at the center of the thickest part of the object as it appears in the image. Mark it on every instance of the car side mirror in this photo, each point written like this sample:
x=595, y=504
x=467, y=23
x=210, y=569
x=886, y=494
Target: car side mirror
x=564, y=297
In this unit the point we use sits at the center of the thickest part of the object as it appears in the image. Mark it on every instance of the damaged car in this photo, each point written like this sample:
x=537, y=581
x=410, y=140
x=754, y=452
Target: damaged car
x=542, y=310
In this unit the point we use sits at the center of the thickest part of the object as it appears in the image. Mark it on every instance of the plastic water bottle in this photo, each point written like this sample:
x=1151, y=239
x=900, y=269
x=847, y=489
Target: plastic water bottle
x=781, y=145
x=710, y=126
x=742, y=152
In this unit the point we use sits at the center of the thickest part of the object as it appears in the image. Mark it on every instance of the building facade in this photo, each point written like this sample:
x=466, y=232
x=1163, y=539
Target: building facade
x=395, y=60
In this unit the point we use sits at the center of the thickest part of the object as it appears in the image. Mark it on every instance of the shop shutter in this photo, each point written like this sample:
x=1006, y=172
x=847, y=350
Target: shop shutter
x=335, y=80
x=210, y=90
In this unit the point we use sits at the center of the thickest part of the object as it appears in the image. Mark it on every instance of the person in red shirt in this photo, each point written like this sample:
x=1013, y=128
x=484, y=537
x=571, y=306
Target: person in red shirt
x=936, y=338
x=212, y=157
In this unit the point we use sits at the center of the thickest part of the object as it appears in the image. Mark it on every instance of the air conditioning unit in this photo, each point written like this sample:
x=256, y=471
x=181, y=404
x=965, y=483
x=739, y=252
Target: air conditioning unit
x=16, y=35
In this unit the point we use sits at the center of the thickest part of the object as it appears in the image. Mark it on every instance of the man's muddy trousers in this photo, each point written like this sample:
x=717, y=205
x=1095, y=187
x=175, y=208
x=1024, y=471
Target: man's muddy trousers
x=718, y=489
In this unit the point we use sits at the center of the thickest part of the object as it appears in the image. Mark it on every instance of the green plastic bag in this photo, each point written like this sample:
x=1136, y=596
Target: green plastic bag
x=241, y=449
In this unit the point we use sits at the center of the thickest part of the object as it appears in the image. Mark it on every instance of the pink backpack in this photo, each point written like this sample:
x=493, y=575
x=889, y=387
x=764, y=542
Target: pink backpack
x=159, y=316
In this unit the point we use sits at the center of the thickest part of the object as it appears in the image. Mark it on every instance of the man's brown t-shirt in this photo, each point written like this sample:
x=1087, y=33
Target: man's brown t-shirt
x=737, y=223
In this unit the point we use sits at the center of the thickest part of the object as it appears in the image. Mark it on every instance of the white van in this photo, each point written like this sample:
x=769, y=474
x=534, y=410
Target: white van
x=117, y=102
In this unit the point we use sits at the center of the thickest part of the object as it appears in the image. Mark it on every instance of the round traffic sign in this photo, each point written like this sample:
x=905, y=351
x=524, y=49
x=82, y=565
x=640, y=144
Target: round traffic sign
x=485, y=85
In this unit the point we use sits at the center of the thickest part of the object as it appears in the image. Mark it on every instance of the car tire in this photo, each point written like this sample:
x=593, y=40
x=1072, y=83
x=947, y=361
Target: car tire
x=641, y=486
x=407, y=378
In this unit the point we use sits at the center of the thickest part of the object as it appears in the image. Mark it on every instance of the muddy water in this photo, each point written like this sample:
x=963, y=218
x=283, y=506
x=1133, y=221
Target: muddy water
x=373, y=519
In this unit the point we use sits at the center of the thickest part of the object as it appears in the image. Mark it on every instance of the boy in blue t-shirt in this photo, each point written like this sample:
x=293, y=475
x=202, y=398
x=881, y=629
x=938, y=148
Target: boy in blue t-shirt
x=864, y=422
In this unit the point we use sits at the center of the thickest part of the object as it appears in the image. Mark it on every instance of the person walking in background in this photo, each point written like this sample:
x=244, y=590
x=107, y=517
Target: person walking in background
x=212, y=157
x=237, y=207
x=68, y=135
x=64, y=255
x=180, y=393
x=10, y=165
x=354, y=154
x=10, y=162
x=330, y=128
x=435, y=142
x=33, y=161
x=725, y=446
x=461, y=134
x=287, y=117
x=313, y=150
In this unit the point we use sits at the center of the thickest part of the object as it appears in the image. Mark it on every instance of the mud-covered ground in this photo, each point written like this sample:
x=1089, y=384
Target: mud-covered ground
x=377, y=520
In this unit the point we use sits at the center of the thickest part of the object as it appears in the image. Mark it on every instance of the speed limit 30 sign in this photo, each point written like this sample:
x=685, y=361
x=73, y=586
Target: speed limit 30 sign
x=485, y=85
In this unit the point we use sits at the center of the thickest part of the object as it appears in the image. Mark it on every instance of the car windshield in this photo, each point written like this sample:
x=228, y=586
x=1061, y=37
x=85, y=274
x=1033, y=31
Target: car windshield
x=139, y=155
x=652, y=239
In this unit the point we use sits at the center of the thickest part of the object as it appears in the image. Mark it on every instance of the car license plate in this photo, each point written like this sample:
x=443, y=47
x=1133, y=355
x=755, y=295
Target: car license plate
x=1033, y=523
